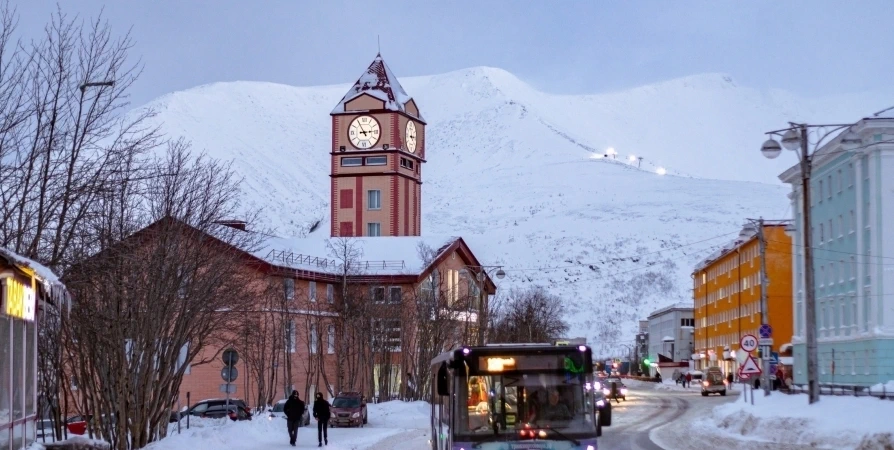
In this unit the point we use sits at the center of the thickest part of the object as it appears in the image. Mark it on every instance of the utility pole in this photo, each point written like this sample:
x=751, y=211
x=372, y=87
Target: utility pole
x=765, y=349
x=639, y=163
x=810, y=298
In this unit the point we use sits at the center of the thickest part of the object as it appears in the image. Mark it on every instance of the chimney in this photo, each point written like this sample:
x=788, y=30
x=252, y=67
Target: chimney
x=237, y=224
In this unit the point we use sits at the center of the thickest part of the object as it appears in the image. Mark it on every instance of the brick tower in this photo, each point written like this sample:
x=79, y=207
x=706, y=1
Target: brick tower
x=378, y=147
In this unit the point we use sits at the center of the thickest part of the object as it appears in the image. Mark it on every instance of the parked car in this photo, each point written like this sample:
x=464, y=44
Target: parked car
x=607, y=388
x=715, y=382
x=348, y=409
x=276, y=412
x=78, y=424
x=217, y=408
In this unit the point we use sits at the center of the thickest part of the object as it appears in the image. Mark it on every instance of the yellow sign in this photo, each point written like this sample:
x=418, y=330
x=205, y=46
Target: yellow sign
x=499, y=364
x=19, y=299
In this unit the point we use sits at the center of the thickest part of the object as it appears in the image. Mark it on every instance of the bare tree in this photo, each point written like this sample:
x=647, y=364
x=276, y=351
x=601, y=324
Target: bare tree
x=263, y=344
x=352, y=326
x=149, y=303
x=527, y=315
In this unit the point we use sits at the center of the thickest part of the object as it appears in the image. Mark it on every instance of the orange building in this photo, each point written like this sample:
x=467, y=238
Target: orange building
x=727, y=294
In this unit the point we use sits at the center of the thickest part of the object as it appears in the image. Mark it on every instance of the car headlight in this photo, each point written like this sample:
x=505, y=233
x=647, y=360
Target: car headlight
x=600, y=403
x=355, y=415
x=332, y=415
x=606, y=391
x=705, y=383
x=624, y=391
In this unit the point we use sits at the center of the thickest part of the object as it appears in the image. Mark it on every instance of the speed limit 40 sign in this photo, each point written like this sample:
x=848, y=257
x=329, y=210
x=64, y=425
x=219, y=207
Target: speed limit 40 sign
x=748, y=343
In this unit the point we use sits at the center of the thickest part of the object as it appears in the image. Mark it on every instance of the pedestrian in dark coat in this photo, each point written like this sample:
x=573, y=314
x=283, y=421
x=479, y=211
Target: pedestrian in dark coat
x=294, y=411
x=322, y=414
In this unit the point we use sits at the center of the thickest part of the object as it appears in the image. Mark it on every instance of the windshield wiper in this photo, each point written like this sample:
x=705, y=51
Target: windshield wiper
x=559, y=433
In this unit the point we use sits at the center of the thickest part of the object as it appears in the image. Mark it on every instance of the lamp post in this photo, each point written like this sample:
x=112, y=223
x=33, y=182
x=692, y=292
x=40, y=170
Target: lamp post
x=481, y=273
x=796, y=138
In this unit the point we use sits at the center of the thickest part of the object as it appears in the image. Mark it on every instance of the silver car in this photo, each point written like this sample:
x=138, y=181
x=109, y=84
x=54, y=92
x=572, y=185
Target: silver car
x=276, y=412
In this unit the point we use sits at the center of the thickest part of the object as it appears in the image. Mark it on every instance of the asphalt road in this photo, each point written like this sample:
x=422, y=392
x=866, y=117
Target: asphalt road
x=648, y=409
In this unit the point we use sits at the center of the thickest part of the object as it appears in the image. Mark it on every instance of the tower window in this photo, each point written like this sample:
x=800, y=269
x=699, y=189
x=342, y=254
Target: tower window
x=406, y=163
x=376, y=160
x=346, y=199
x=351, y=162
x=373, y=229
x=374, y=199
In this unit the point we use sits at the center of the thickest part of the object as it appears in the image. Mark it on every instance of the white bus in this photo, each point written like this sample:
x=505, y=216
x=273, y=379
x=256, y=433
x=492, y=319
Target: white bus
x=514, y=396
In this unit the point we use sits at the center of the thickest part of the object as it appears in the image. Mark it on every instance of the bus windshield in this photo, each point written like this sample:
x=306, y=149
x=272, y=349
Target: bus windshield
x=503, y=403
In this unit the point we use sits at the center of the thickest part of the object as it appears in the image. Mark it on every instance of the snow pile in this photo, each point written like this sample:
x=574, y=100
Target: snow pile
x=834, y=422
x=887, y=387
x=385, y=420
x=668, y=384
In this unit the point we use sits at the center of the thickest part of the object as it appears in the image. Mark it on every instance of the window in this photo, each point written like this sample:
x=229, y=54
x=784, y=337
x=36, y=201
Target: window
x=831, y=230
x=373, y=229
x=840, y=182
x=850, y=175
x=289, y=287
x=840, y=226
x=822, y=277
x=313, y=338
x=373, y=199
x=346, y=198
x=406, y=163
x=376, y=160
x=820, y=191
x=386, y=335
x=312, y=291
x=394, y=294
x=346, y=229
x=330, y=333
x=853, y=271
x=351, y=162
x=290, y=336
x=377, y=294
x=829, y=183
x=330, y=293
x=822, y=235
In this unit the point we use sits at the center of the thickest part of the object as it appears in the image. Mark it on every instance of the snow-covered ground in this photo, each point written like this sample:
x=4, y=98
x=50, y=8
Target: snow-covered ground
x=404, y=424
x=834, y=422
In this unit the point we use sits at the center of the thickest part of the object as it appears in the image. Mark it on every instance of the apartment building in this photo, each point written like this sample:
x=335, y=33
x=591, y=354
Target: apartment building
x=726, y=295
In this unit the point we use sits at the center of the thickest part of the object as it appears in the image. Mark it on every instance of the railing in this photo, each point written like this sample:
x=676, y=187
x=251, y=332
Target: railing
x=291, y=259
x=843, y=390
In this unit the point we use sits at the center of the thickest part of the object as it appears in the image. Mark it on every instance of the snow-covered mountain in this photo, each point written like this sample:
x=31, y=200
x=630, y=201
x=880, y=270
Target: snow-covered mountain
x=520, y=174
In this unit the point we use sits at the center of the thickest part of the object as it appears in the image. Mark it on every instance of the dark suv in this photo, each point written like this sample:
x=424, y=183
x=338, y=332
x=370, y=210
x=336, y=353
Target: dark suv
x=348, y=409
x=217, y=408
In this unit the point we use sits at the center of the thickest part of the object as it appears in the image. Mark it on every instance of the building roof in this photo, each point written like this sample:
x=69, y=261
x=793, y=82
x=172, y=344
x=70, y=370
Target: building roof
x=49, y=280
x=380, y=255
x=686, y=306
x=748, y=233
x=378, y=82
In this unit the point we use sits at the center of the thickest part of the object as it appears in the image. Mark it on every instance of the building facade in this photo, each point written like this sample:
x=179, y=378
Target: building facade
x=378, y=148
x=727, y=296
x=25, y=290
x=852, y=217
x=670, y=335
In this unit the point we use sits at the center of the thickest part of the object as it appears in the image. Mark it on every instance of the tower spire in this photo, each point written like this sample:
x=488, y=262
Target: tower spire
x=379, y=45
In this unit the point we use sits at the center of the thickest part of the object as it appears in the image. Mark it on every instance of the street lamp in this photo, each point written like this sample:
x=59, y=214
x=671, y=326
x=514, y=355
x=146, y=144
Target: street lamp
x=481, y=273
x=793, y=138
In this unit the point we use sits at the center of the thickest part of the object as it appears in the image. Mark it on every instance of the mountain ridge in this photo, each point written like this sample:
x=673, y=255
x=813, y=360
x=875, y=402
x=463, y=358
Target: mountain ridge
x=521, y=175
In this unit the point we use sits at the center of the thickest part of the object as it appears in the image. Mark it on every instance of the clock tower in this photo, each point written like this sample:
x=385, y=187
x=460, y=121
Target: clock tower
x=378, y=147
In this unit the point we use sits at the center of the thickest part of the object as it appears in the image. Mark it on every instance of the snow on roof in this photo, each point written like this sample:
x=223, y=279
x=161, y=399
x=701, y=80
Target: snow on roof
x=380, y=255
x=378, y=81
x=42, y=272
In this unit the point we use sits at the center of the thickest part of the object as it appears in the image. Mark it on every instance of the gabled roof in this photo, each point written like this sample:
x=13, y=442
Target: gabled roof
x=378, y=82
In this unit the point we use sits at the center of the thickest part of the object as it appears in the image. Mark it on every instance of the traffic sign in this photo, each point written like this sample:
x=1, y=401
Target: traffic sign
x=765, y=342
x=750, y=367
x=230, y=357
x=773, y=367
x=229, y=374
x=748, y=343
x=766, y=331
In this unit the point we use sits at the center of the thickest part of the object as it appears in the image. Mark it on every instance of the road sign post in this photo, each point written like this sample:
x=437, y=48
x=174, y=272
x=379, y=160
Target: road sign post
x=229, y=372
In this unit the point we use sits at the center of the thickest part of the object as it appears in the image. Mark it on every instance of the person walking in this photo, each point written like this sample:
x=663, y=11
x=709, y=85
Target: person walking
x=688, y=380
x=322, y=414
x=294, y=411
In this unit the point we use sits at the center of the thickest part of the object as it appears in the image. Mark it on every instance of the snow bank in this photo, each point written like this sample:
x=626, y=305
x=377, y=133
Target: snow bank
x=834, y=422
x=385, y=420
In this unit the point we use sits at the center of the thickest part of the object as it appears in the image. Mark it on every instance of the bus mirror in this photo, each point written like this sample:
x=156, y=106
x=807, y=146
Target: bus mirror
x=443, y=384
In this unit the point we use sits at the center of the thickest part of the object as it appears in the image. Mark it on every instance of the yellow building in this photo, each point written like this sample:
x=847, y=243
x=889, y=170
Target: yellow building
x=726, y=294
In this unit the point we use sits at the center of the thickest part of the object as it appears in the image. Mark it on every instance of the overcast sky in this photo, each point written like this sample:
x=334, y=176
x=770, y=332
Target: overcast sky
x=813, y=48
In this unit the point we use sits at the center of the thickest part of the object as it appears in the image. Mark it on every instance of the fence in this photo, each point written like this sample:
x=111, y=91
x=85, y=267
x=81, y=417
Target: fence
x=845, y=390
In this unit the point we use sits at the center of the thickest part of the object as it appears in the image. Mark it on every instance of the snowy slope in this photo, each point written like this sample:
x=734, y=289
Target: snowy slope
x=511, y=170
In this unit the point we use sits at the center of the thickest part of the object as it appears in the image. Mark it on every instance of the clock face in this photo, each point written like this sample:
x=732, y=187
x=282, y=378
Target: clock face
x=410, y=136
x=364, y=132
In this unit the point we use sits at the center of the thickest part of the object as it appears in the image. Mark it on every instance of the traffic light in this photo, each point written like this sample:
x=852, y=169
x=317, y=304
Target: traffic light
x=646, y=361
